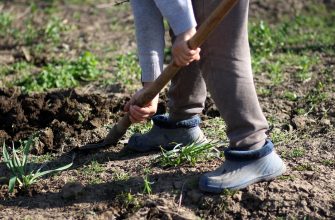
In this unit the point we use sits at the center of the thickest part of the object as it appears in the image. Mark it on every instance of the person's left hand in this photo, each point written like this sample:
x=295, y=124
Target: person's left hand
x=139, y=114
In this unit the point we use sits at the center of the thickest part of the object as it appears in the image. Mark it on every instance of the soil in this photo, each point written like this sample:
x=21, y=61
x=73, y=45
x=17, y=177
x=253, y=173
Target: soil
x=60, y=117
x=67, y=119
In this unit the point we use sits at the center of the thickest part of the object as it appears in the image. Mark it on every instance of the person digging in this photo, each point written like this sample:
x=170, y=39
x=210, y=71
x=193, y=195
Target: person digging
x=224, y=69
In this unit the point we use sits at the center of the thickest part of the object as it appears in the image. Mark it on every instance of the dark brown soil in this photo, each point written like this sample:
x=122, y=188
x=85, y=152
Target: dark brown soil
x=58, y=116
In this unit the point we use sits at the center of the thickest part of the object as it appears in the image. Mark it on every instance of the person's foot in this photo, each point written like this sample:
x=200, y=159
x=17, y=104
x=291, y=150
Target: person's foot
x=243, y=168
x=166, y=134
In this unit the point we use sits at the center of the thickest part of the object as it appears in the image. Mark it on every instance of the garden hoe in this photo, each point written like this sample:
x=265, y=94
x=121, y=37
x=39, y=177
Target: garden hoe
x=169, y=72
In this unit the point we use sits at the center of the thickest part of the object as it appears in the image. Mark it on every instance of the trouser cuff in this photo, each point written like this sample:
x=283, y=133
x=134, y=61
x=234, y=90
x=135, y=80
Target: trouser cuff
x=163, y=121
x=238, y=155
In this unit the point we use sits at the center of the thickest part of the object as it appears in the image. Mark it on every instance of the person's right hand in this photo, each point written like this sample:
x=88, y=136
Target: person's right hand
x=182, y=55
x=139, y=114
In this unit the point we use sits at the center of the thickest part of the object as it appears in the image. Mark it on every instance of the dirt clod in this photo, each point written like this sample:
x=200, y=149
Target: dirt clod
x=72, y=190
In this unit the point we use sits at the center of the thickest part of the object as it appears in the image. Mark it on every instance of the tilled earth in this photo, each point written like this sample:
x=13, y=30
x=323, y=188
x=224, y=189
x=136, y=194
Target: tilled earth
x=68, y=119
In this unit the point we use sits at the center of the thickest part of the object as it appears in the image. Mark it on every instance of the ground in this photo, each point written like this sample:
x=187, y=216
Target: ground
x=91, y=46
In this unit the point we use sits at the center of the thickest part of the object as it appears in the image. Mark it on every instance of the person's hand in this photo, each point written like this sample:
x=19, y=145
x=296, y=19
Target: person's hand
x=182, y=55
x=141, y=114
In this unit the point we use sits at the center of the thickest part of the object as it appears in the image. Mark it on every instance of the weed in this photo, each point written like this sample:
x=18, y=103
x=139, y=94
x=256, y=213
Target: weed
x=120, y=175
x=191, y=153
x=30, y=34
x=297, y=152
x=276, y=73
x=329, y=163
x=43, y=158
x=140, y=127
x=53, y=30
x=127, y=69
x=147, y=184
x=14, y=69
x=315, y=97
x=278, y=135
x=93, y=171
x=261, y=39
x=215, y=129
x=18, y=165
x=64, y=75
x=304, y=167
x=128, y=201
x=229, y=192
x=261, y=91
x=287, y=177
x=300, y=111
x=291, y=96
x=5, y=24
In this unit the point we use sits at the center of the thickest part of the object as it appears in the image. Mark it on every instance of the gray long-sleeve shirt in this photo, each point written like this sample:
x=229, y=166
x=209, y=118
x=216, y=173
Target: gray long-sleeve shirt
x=148, y=15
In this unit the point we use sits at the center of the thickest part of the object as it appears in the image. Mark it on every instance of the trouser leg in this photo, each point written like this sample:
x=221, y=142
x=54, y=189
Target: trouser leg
x=187, y=92
x=227, y=71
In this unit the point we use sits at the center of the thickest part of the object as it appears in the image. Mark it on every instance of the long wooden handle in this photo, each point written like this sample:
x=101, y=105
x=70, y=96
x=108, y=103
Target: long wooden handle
x=169, y=72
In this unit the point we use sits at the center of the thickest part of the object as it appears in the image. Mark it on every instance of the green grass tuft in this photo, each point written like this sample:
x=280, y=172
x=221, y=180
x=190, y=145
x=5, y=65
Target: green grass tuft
x=191, y=154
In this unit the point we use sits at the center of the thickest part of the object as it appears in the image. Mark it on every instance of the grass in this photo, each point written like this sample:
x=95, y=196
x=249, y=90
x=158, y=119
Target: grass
x=146, y=182
x=18, y=164
x=65, y=74
x=92, y=172
x=128, y=201
x=304, y=167
x=43, y=158
x=294, y=153
x=314, y=98
x=329, y=163
x=190, y=154
x=286, y=50
x=282, y=136
x=291, y=96
x=215, y=129
x=120, y=175
x=127, y=70
x=140, y=127
x=6, y=20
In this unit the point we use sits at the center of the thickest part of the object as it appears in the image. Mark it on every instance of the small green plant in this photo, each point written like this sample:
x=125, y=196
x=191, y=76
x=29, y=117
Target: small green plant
x=291, y=96
x=287, y=177
x=191, y=153
x=297, y=152
x=120, y=175
x=128, y=201
x=5, y=24
x=53, y=29
x=215, y=129
x=140, y=128
x=92, y=172
x=278, y=135
x=329, y=163
x=128, y=70
x=304, y=167
x=264, y=91
x=261, y=39
x=18, y=165
x=147, y=184
x=315, y=97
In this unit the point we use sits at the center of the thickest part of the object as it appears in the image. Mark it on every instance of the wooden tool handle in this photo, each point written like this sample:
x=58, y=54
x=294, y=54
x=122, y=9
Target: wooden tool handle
x=171, y=70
